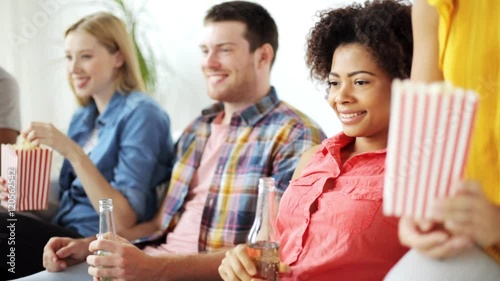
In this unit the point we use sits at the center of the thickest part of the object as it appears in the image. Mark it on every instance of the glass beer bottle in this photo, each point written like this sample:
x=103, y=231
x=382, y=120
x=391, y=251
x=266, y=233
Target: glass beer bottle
x=106, y=226
x=263, y=241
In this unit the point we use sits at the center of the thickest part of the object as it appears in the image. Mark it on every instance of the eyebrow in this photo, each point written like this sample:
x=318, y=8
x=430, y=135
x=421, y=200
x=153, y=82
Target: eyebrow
x=218, y=45
x=79, y=51
x=353, y=73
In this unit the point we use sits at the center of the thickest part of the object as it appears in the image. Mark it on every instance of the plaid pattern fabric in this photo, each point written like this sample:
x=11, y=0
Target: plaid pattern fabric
x=266, y=139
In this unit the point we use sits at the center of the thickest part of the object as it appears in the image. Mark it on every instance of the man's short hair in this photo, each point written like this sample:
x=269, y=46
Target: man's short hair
x=260, y=26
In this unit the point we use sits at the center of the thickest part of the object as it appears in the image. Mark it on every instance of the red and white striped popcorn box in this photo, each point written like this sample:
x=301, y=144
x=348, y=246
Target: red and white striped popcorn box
x=27, y=172
x=429, y=136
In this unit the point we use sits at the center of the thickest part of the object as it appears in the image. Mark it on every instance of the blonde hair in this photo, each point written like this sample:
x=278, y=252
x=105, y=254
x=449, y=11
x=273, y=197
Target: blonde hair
x=112, y=33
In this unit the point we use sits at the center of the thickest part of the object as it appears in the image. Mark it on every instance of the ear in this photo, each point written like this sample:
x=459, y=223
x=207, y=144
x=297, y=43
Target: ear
x=265, y=55
x=119, y=59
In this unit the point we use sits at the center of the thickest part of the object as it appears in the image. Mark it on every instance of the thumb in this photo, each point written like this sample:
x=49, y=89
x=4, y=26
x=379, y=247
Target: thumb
x=424, y=225
x=121, y=239
x=284, y=268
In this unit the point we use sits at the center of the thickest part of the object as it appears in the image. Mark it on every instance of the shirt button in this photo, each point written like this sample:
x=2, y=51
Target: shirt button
x=307, y=220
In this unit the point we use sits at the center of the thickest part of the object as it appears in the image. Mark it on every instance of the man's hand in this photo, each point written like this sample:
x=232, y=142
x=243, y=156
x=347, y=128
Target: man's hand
x=124, y=262
x=431, y=239
x=61, y=252
x=469, y=213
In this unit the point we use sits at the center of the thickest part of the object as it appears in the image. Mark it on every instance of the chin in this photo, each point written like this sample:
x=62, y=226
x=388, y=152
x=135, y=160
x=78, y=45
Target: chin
x=351, y=132
x=82, y=94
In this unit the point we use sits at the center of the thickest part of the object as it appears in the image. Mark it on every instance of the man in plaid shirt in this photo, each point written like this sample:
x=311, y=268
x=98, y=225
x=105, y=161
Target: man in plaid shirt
x=210, y=202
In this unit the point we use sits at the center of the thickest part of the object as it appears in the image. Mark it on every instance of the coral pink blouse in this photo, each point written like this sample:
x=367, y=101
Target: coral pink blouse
x=331, y=222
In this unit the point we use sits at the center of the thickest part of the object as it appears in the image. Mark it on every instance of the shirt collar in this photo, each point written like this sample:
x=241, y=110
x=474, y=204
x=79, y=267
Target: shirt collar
x=109, y=113
x=339, y=141
x=250, y=115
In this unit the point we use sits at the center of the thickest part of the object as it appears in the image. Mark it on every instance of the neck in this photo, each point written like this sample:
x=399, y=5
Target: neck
x=231, y=107
x=363, y=144
x=102, y=100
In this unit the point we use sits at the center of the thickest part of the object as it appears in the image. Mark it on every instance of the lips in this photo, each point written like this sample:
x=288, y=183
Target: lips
x=81, y=82
x=216, y=78
x=351, y=117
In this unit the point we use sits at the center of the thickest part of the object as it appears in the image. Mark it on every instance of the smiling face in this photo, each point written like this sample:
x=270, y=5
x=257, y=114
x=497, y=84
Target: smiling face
x=229, y=67
x=360, y=93
x=90, y=66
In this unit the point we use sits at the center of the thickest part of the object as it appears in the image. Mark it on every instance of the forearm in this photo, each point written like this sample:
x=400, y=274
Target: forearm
x=8, y=136
x=97, y=187
x=139, y=230
x=203, y=267
x=425, y=22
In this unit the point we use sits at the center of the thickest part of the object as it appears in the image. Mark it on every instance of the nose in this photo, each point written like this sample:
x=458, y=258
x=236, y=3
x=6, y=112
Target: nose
x=211, y=60
x=73, y=66
x=340, y=95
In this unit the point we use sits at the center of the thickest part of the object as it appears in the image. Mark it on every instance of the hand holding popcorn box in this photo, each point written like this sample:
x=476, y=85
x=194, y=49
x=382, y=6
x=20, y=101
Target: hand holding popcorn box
x=27, y=171
x=429, y=136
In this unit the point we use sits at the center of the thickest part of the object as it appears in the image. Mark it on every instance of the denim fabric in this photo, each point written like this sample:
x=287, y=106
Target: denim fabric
x=134, y=152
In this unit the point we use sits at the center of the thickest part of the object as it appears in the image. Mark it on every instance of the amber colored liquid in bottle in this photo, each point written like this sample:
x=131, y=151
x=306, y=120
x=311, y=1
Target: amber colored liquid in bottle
x=266, y=257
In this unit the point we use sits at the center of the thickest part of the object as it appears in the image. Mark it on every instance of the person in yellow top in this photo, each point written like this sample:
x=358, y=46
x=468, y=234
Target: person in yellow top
x=458, y=41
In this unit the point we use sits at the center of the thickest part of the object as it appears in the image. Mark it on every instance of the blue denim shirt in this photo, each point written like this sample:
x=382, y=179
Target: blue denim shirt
x=134, y=152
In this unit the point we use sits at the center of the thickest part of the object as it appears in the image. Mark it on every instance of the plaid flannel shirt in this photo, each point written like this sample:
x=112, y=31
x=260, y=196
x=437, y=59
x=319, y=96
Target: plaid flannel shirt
x=266, y=139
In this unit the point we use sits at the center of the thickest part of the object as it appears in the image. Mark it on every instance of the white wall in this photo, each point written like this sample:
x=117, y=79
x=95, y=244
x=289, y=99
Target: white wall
x=31, y=41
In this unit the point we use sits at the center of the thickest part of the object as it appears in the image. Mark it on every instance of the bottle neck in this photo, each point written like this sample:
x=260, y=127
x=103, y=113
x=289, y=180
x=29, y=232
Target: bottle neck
x=106, y=220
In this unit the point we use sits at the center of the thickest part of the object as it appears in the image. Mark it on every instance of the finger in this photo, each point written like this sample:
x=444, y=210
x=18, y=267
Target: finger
x=36, y=142
x=50, y=260
x=24, y=133
x=121, y=239
x=461, y=228
x=471, y=187
x=410, y=235
x=53, y=264
x=64, y=252
x=462, y=209
x=103, y=261
x=225, y=271
x=236, y=266
x=49, y=249
x=101, y=272
x=430, y=240
x=424, y=225
x=450, y=247
x=105, y=245
x=244, y=253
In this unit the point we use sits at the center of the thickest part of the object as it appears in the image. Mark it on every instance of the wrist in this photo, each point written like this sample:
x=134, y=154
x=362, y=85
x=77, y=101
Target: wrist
x=159, y=268
x=86, y=243
x=74, y=154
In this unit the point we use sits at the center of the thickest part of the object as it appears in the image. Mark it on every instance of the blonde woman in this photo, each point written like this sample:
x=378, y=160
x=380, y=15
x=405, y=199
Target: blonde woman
x=118, y=144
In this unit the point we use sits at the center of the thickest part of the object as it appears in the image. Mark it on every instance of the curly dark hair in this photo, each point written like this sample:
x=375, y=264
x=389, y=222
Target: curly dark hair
x=384, y=27
x=261, y=27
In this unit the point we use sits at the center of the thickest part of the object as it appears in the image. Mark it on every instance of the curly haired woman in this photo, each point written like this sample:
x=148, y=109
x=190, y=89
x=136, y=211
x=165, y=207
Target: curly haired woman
x=330, y=218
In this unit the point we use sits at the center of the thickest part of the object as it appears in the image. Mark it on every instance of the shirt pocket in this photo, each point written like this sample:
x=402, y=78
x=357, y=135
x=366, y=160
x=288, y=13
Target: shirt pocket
x=300, y=193
x=351, y=210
